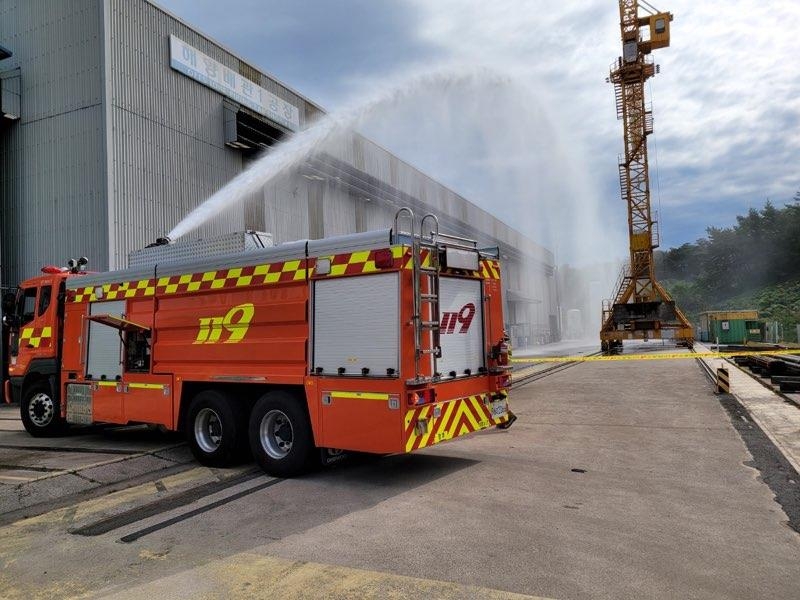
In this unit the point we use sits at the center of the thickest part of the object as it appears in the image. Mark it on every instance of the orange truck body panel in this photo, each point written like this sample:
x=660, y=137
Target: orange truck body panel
x=252, y=326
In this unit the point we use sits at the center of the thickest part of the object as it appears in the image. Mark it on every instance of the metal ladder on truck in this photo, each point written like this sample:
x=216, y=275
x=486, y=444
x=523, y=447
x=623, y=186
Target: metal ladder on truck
x=427, y=336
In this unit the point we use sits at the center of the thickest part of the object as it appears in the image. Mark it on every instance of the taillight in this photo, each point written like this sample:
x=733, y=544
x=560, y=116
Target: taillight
x=421, y=397
x=383, y=258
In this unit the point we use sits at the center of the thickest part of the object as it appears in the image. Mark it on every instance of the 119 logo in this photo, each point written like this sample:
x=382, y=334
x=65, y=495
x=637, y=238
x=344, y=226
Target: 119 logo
x=463, y=317
x=236, y=322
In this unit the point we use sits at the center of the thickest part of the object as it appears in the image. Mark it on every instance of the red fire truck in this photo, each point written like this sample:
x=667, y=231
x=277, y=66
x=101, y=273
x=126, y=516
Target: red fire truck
x=379, y=342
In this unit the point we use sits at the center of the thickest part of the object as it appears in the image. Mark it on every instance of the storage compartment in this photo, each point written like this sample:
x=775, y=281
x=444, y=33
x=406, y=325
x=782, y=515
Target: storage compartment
x=357, y=325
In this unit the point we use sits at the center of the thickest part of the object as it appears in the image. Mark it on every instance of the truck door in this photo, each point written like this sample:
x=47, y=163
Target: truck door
x=32, y=337
x=356, y=338
x=461, y=327
x=104, y=363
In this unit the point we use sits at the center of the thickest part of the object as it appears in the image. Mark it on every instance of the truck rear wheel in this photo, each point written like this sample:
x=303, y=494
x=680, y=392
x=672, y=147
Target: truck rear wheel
x=280, y=435
x=216, y=429
x=40, y=411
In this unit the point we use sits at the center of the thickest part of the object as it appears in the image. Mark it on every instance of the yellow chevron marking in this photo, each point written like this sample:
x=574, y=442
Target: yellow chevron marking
x=427, y=435
x=409, y=417
x=443, y=435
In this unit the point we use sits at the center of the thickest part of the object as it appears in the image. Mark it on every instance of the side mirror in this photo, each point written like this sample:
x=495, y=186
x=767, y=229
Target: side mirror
x=9, y=299
x=12, y=321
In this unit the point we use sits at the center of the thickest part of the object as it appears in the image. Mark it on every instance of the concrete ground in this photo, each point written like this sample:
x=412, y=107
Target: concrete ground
x=619, y=480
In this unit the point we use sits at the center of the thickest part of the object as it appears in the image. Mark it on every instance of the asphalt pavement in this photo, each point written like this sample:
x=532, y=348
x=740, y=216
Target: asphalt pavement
x=619, y=480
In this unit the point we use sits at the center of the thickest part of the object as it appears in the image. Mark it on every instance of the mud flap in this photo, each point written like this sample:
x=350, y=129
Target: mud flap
x=511, y=418
x=329, y=456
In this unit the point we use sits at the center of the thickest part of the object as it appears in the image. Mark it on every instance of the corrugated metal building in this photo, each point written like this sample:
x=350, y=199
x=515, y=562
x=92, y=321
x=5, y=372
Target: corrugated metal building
x=118, y=118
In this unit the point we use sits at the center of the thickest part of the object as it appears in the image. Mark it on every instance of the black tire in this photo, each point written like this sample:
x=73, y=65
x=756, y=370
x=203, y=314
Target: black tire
x=281, y=439
x=40, y=411
x=216, y=429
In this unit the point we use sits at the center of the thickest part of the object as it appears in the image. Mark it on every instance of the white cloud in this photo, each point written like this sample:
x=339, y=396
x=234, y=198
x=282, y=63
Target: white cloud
x=726, y=104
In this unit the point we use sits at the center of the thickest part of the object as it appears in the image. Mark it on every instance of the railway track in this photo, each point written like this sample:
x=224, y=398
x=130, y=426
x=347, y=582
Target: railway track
x=778, y=373
x=781, y=374
x=518, y=381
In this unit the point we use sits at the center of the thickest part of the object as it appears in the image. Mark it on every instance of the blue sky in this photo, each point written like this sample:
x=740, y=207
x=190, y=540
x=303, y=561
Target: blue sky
x=726, y=103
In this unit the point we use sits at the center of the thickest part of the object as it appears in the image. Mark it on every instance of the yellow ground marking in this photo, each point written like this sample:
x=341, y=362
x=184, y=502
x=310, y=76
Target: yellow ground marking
x=14, y=478
x=98, y=506
x=103, y=463
x=249, y=575
x=654, y=356
x=106, y=504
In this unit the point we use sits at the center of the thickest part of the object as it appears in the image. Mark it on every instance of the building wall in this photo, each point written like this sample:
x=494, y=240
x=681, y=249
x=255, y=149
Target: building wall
x=115, y=147
x=168, y=150
x=52, y=173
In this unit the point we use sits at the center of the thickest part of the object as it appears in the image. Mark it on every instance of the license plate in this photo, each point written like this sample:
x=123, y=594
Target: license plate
x=499, y=408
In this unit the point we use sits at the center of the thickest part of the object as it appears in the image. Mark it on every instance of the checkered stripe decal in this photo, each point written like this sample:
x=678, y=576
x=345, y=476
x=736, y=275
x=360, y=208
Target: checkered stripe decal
x=354, y=263
x=281, y=272
x=38, y=337
x=351, y=263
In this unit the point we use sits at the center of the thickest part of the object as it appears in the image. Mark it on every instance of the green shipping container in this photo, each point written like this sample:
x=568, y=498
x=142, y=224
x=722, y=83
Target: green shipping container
x=731, y=327
x=728, y=331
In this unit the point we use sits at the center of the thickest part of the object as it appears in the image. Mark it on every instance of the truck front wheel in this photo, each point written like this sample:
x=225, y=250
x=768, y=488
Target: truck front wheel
x=40, y=411
x=280, y=435
x=216, y=429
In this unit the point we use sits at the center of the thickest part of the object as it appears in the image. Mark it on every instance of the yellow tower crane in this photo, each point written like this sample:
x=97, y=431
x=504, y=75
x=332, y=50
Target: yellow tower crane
x=641, y=308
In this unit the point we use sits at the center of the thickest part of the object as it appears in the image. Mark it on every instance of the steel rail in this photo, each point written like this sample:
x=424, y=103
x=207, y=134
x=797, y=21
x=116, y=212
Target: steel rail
x=525, y=379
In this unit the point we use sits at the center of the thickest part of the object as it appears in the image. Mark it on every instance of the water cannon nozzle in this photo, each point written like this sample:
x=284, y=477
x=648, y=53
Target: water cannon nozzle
x=162, y=241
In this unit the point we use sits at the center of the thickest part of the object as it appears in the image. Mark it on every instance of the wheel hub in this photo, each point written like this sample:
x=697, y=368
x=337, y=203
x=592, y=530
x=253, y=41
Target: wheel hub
x=41, y=409
x=208, y=430
x=276, y=434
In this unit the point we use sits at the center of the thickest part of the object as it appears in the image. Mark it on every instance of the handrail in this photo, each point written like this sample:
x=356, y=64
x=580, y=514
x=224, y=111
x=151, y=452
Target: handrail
x=434, y=232
x=410, y=213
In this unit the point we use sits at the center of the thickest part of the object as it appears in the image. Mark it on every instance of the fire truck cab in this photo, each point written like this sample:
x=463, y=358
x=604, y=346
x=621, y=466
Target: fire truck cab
x=383, y=342
x=34, y=318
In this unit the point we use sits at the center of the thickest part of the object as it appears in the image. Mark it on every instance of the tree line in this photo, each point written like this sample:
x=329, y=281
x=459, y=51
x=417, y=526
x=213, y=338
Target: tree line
x=758, y=255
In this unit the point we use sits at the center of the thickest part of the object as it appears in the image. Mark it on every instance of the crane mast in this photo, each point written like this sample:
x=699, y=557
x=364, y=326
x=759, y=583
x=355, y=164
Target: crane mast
x=641, y=308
